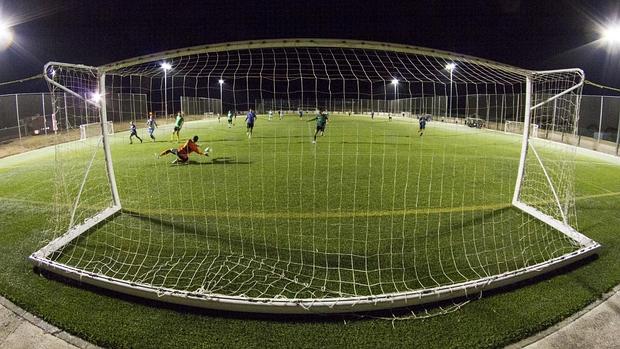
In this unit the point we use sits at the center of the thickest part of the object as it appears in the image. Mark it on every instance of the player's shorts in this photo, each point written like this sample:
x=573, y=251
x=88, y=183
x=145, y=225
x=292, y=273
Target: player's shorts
x=133, y=133
x=320, y=127
x=177, y=128
x=230, y=120
x=183, y=157
x=422, y=127
x=250, y=125
x=150, y=130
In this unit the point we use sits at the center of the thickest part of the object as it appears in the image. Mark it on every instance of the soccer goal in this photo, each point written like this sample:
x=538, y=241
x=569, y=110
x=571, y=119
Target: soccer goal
x=363, y=214
x=518, y=127
x=94, y=130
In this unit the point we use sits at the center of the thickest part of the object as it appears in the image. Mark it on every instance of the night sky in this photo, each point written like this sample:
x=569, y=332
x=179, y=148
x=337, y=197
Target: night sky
x=541, y=34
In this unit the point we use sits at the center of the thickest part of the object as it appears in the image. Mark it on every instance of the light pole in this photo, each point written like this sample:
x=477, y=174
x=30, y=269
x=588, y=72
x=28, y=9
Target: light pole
x=166, y=66
x=395, y=83
x=221, y=82
x=450, y=67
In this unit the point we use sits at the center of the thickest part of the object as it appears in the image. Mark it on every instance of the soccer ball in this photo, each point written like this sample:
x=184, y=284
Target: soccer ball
x=207, y=150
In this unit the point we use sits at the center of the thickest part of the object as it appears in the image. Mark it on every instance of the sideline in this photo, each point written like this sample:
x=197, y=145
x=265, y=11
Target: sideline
x=20, y=329
x=595, y=326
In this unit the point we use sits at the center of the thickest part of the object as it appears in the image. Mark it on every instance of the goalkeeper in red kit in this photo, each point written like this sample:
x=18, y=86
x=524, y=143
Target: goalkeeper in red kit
x=183, y=151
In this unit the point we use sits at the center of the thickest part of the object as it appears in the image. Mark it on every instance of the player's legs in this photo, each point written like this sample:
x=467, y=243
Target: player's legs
x=168, y=151
x=151, y=134
x=181, y=158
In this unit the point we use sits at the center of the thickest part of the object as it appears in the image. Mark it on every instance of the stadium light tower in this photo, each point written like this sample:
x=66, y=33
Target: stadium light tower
x=221, y=82
x=450, y=67
x=166, y=66
x=395, y=83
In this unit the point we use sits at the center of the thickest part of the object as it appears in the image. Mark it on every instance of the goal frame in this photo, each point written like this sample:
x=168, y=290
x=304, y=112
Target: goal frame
x=533, y=126
x=41, y=258
x=109, y=130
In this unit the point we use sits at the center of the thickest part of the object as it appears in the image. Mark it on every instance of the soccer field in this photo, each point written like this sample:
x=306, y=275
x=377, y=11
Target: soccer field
x=372, y=208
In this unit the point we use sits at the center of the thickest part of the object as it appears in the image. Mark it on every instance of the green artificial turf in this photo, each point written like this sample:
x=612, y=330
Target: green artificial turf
x=371, y=208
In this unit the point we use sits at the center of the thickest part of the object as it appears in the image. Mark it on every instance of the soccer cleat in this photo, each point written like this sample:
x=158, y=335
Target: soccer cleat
x=313, y=141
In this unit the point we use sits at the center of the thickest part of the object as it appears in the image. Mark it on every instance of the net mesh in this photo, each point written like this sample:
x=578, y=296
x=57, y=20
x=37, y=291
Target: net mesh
x=376, y=206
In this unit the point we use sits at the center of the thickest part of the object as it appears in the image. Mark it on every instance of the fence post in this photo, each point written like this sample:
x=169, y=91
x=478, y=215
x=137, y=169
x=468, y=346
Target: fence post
x=618, y=136
x=19, y=128
x=600, y=124
x=43, y=113
x=66, y=113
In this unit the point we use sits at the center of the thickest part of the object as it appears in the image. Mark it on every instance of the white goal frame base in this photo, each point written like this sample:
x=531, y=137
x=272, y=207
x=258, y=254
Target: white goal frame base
x=97, y=125
x=533, y=131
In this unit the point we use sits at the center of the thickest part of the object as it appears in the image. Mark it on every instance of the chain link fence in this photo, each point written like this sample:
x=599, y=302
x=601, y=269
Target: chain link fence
x=32, y=114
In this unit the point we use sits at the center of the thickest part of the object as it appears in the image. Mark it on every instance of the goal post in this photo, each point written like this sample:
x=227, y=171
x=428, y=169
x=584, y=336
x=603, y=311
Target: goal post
x=367, y=217
x=88, y=164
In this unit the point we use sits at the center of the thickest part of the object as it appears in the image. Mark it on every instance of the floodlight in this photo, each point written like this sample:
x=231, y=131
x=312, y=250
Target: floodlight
x=450, y=66
x=394, y=81
x=611, y=34
x=95, y=97
x=6, y=35
x=220, y=81
x=166, y=66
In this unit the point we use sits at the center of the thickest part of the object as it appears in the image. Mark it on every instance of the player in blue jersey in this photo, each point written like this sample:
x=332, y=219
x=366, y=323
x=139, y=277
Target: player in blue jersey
x=151, y=126
x=133, y=132
x=423, y=120
x=250, y=118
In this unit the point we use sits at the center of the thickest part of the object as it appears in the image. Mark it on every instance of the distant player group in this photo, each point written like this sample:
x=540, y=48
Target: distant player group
x=190, y=146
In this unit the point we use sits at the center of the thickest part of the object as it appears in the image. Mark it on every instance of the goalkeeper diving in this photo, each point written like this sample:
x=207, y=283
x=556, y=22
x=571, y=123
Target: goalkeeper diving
x=183, y=151
x=321, y=120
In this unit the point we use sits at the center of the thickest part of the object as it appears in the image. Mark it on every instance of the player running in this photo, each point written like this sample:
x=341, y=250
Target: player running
x=321, y=120
x=422, y=124
x=133, y=131
x=270, y=114
x=151, y=126
x=301, y=113
x=183, y=151
x=230, y=119
x=178, y=124
x=249, y=120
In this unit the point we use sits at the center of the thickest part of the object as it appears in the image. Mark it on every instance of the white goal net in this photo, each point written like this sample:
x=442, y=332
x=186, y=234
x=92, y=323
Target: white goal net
x=518, y=127
x=94, y=130
x=306, y=214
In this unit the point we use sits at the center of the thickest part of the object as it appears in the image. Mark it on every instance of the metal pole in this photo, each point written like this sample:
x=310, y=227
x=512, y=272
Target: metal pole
x=618, y=136
x=44, y=118
x=451, y=93
x=106, y=145
x=166, y=92
x=221, y=103
x=600, y=123
x=525, y=140
x=19, y=128
x=395, y=99
x=66, y=114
